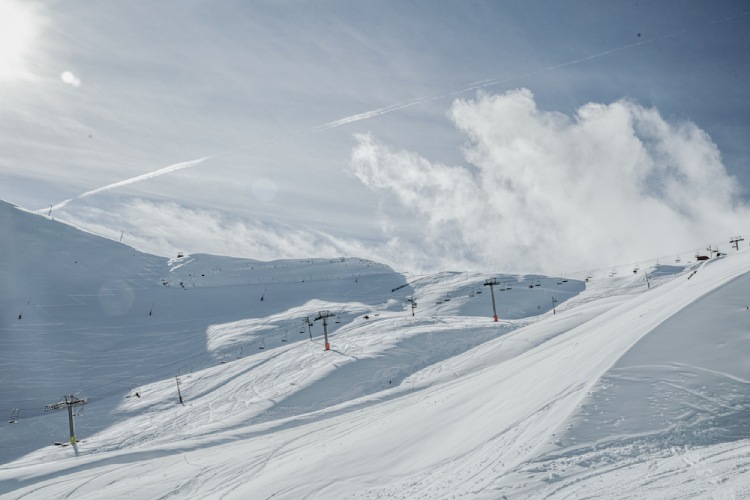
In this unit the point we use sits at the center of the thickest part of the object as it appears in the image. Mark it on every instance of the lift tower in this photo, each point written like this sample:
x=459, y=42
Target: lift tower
x=491, y=282
x=69, y=402
x=324, y=315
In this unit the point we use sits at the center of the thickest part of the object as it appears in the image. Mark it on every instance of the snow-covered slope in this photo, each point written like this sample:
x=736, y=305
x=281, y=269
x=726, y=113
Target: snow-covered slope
x=624, y=391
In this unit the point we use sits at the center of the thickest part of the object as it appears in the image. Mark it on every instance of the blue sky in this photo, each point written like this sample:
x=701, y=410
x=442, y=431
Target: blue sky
x=485, y=135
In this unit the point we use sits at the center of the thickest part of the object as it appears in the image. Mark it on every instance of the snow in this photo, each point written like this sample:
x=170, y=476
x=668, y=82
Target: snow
x=628, y=389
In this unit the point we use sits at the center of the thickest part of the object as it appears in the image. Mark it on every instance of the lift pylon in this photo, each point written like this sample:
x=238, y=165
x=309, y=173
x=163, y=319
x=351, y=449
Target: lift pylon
x=324, y=315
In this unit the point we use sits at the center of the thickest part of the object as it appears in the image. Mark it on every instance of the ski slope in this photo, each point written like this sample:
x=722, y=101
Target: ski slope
x=629, y=389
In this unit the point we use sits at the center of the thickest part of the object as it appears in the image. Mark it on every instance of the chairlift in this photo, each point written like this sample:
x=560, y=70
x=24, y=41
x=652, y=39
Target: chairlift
x=262, y=344
x=283, y=339
x=538, y=283
x=14, y=416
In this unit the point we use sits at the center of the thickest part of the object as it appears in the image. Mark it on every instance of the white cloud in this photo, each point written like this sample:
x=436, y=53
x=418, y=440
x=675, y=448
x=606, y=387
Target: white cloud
x=613, y=184
x=164, y=228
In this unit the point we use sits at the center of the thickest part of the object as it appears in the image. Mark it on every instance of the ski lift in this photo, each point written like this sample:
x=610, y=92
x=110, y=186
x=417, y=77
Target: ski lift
x=538, y=283
x=635, y=270
x=283, y=339
x=677, y=259
x=262, y=344
x=14, y=416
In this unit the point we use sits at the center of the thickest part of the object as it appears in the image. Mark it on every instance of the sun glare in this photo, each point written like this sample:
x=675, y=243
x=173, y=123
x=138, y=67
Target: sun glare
x=17, y=31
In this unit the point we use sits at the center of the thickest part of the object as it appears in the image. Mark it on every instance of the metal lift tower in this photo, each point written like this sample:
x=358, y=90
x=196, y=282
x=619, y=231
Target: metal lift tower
x=491, y=282
x=324, y=315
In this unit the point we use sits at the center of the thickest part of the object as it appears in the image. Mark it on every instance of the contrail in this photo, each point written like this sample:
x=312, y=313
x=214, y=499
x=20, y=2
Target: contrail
x=373, y=113
x=149, y=175
x=474, y=86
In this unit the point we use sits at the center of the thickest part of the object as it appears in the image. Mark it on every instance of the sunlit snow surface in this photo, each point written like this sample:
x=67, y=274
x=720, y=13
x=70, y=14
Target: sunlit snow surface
x=624, y=391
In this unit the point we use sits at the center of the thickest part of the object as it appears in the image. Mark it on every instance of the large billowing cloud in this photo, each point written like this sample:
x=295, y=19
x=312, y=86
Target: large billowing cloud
x=543, y=191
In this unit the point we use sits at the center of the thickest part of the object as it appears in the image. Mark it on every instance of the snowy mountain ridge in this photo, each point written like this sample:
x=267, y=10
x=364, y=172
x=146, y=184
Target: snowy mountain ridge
x=629, y=381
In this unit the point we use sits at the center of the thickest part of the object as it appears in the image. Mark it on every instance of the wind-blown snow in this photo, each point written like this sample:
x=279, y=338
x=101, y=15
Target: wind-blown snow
x=628, y=389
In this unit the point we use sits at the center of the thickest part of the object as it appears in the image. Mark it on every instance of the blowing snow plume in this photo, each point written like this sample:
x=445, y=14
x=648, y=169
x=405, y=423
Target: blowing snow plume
x=546, y=191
